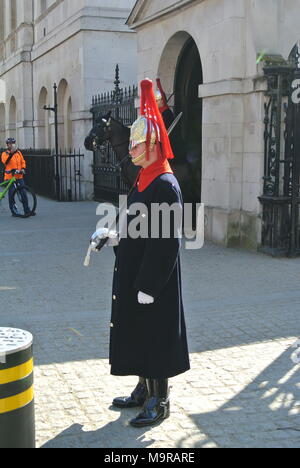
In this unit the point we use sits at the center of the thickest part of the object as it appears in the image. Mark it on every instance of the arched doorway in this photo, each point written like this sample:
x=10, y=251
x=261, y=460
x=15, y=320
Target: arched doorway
x=2, y=126
x=65, y=137
x=188, y=78
x=43, y=120
x=180, y=70
x=12, y=127
x=69, y=126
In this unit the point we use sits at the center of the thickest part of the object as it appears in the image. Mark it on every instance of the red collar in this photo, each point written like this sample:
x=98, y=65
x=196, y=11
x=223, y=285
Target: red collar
x=148, y=175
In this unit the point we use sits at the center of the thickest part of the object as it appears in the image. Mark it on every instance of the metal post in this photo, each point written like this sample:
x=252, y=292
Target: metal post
x=57, y=176
x=55, y=110
x=17, y=424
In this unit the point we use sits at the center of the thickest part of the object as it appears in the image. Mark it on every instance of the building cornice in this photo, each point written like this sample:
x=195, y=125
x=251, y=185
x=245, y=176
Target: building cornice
x=140, y=5
x=233, y=86
x=23, y=56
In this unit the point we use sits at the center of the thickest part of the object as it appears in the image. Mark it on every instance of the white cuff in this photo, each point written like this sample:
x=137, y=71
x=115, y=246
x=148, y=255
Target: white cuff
x=145, y=299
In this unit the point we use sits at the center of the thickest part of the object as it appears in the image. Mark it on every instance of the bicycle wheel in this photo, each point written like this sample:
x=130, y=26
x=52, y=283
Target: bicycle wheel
x=24, y=201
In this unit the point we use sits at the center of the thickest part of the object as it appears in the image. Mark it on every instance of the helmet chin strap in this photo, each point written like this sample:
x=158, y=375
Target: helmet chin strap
x=142, y=156
x=139, y=158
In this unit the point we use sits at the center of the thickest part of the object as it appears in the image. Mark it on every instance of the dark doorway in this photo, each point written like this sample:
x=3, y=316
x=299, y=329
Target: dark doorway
x=188, y=139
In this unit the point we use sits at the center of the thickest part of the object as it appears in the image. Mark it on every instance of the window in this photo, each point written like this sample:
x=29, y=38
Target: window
x=13, y=15
x=43, y=5
x=2, y=12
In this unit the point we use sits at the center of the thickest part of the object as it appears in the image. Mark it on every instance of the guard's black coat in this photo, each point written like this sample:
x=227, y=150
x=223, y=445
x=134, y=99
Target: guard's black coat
x=149, y=340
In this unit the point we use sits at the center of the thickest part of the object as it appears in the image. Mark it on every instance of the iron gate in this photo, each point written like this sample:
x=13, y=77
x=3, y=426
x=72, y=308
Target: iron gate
x=108, y=182
x=281, y=196
x=41, y=173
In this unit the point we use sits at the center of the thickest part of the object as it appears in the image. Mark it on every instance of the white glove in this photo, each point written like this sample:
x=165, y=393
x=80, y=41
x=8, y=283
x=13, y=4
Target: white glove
x=104, y=233
x=145, y=299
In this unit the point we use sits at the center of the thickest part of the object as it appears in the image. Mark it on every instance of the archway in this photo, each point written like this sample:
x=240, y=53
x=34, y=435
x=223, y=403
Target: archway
x=2, y=126
x=64, y=115
x=43, y=136
x=61, y=97
x=180, y=70
x=69, y=126
x=12, y=118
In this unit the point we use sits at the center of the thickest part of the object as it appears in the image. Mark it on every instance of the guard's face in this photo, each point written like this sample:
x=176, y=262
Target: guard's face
x=138, y=154
x=160, y=103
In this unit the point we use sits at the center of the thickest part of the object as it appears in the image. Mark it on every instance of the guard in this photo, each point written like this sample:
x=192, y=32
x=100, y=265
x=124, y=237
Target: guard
x=148, y=332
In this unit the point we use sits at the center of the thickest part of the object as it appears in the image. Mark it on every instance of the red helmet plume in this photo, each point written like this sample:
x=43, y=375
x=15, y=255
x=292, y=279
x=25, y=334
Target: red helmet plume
x=149, y=109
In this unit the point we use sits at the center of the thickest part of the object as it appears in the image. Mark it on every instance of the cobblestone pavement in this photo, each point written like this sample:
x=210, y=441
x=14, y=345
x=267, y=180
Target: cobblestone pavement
x=243, y=317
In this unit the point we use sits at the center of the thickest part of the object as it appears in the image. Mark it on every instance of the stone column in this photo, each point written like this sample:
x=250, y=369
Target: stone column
x=233, y=147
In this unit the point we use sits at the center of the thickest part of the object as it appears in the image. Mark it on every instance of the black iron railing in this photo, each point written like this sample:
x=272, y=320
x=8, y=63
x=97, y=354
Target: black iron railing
x=108, y=181
x=281, y=197
x=42, y=178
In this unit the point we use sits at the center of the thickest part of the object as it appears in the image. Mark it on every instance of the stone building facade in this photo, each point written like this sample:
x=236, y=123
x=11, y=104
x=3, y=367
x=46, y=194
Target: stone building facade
x=73, y=43
x=205, y=52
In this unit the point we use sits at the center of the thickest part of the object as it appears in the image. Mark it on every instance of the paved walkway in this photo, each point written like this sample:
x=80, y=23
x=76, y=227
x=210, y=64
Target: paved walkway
x=243, y=316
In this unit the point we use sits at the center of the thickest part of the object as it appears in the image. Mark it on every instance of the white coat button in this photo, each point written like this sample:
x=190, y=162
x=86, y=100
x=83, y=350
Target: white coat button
x=114, y=298
x=111, y=325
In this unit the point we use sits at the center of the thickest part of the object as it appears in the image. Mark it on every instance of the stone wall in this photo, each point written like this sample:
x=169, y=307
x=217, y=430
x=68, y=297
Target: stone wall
x=73, y=43
x=226, y=34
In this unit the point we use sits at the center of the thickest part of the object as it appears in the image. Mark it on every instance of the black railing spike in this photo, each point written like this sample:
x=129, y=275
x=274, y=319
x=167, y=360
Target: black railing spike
x=117, y=78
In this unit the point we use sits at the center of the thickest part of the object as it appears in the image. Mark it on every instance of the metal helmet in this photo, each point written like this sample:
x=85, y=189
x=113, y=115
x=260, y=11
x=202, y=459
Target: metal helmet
x=140, y=132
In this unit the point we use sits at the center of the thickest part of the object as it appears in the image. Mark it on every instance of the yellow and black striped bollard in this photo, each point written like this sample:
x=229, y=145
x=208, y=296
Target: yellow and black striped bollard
x=17, y=424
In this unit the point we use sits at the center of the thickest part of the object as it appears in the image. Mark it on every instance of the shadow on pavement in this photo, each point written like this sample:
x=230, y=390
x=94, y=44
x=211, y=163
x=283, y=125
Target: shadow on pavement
x=264, y=414
x=117, y=434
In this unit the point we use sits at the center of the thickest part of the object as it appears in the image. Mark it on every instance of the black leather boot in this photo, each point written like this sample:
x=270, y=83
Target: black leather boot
x=157, y=405
x=137, y=398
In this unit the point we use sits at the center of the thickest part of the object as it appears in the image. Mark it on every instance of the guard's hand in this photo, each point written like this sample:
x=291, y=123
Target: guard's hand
x=104, y=233
x=145, y=299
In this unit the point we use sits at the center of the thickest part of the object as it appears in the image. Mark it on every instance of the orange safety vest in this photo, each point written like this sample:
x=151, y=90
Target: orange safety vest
x=17, y=162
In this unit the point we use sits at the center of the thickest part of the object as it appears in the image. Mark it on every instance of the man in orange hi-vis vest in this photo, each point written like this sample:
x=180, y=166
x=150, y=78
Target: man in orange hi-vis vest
x=13, y=160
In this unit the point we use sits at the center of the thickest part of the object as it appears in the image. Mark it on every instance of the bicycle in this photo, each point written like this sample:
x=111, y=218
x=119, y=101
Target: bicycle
x=19, y=196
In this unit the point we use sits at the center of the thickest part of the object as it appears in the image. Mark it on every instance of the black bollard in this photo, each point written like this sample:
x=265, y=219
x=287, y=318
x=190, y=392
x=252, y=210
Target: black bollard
x=17, y=423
